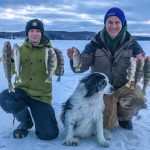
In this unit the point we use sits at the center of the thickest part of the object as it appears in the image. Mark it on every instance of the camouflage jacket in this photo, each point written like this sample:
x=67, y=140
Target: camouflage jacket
x=97, y=56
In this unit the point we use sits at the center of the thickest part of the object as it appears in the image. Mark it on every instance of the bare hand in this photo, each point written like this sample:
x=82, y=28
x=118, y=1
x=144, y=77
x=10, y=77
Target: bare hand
x=70, y=53
x=140, y=57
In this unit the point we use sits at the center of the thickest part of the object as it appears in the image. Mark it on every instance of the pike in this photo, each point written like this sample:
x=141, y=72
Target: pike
x=139, y=70
x=146, y=80
x=60, y=61
x=76, y=59
x=6, y=60
x=131, y=72
x=51, y=63
x=17, y=62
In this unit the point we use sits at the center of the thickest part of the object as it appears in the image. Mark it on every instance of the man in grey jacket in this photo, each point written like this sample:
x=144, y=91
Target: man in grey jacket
x=109, y=52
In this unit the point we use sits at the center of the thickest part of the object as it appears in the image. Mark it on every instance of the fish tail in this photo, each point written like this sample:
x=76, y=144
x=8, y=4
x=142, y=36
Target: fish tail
x=129, y=85
x=135, y=84
x=11, y=88
x=58, y=80
x=18, y=79
x=144, y=90
x=132, y=85
x=77, y=69
x=48, y=80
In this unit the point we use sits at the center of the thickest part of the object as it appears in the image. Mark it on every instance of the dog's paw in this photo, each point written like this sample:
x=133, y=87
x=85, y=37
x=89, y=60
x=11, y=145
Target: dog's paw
x=107, y=134
x=71, y=142
x=104, y=143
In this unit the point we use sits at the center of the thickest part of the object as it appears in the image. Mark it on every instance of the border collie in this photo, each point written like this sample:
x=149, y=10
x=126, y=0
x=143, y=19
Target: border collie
x=82, y=113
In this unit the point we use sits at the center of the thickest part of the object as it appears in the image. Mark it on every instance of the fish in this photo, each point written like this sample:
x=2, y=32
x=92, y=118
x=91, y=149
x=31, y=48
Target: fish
x=60, y=63
x=131, y=72
x=146, y=78
x=6, y=60
x=17, y=62
x=76, y=59
x=51, y=63
x=139, y=70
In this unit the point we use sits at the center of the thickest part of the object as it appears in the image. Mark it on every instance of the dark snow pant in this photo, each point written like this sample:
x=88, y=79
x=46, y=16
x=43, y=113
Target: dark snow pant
x=43, y=114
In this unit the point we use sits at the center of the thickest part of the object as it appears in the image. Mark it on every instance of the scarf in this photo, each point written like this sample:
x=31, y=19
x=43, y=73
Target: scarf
x=114, y=44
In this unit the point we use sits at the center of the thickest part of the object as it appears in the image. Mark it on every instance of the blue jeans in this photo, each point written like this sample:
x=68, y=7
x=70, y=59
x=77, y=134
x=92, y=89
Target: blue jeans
x=43, y=114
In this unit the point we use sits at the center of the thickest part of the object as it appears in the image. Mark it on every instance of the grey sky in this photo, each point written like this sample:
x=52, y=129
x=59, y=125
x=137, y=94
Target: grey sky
x=73, y=15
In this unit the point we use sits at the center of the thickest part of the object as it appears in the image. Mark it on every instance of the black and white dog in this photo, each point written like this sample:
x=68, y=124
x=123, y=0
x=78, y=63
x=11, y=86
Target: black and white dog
x=82, y=113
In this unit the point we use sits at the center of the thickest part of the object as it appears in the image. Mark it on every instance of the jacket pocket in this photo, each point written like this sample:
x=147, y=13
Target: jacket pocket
x=41, y=66
x=99, y=53
x=123, y=64
x=41, y=60
x=101, y=62
x=127, y=53
x=100, y=57
x=125, y=59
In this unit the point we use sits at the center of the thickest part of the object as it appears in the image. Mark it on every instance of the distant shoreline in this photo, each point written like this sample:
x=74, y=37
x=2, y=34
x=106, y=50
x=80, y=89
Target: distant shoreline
x=62, y=35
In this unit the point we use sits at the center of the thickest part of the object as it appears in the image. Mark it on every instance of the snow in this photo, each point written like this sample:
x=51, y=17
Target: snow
x=138, y=139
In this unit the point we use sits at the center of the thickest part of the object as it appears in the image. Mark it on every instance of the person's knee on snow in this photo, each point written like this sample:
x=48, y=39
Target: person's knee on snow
x=10, y=102
x=48, y=135
x=129, y=105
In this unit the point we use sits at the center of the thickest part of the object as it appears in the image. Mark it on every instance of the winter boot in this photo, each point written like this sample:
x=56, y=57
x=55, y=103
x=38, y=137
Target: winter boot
x=126, y=124
x=25, y=124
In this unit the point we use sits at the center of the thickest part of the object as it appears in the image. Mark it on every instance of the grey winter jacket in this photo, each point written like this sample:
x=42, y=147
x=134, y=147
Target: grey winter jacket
x=97, y=56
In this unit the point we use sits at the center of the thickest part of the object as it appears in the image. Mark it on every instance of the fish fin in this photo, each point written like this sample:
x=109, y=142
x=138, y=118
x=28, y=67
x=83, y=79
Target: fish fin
x=48, y=80
x=58, y=80
x=144, y=90
x=3, y=58
x=128, y=85
x=77, y=69
x=19, y=79
x=127, y=77
x=20, y=68
x=11, y=88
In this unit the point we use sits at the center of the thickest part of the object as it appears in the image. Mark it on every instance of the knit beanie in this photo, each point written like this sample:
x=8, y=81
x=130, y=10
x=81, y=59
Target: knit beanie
x=34, y=24
x=114, y=11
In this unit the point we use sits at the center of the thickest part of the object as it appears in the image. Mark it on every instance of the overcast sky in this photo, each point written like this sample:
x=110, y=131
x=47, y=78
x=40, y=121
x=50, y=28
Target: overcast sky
x=73, y=15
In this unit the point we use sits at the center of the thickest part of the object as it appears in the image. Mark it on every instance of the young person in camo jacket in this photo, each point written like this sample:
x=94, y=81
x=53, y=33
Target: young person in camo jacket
x=109, y=52
x=33, y=92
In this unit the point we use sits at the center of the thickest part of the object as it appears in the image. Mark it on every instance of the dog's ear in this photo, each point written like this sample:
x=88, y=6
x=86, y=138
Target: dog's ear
x=91, y=88
x=65, y=106
x=93, y=84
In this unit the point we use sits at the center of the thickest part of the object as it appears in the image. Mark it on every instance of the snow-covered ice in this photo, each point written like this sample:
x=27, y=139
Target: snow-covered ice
x=138, y=139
